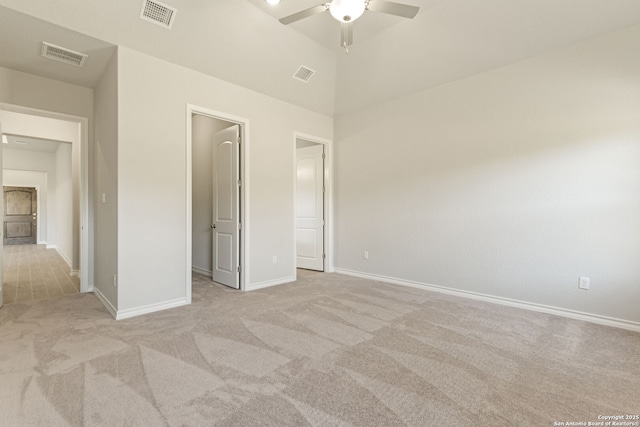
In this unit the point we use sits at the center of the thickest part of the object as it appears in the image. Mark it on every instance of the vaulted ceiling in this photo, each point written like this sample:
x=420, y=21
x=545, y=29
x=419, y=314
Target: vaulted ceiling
x=241, y=41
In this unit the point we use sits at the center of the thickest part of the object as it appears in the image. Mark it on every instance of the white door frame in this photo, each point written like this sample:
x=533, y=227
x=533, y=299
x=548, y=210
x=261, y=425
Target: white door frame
x=244, y=191
x=86, y=263
x=327, y=201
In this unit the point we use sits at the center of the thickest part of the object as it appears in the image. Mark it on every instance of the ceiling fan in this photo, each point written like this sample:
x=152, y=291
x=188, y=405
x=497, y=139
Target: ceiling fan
x=347, y=11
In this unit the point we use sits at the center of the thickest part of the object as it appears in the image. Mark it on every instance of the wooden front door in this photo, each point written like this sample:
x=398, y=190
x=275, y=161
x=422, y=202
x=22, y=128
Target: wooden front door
x=20, y=210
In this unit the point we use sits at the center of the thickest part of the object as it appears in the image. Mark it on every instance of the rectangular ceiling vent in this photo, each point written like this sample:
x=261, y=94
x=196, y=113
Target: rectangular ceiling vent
x=62, y=54
x=303, y=74
x=158, y=13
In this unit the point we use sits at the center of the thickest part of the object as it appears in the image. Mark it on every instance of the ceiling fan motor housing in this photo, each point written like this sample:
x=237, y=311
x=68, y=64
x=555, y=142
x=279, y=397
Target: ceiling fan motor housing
x=347, y=10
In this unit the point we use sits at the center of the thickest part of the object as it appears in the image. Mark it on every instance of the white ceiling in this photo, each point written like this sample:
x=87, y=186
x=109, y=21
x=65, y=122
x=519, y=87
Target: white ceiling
x=241, y=41
x=27, y=143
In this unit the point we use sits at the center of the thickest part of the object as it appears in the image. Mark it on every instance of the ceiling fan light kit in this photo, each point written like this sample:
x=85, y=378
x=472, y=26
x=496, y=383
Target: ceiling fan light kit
x=347, y=11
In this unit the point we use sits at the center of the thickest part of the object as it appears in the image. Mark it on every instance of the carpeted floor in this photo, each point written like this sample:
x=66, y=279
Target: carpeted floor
x=327, y=350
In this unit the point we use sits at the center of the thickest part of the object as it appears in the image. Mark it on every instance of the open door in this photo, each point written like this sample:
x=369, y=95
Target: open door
x=226, y=208
x=310, y=207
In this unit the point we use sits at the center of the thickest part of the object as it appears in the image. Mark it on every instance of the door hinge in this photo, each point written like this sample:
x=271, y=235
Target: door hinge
x=239, y=269
x=239, y=183
x=239, y=226
x=323, y=156
x=324, y=256
x=323, y=189
x=239, y=140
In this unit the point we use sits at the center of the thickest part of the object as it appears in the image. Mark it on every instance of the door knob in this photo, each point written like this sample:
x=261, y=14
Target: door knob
x=213, y=226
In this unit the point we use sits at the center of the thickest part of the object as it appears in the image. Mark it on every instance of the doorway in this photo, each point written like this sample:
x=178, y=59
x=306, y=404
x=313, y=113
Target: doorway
x=39, y=124
x=215, y=196
x=312, y=203
x=20, y=216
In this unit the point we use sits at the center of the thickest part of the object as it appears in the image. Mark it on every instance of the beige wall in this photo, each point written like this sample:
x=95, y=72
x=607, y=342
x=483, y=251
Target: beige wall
x=512, y=183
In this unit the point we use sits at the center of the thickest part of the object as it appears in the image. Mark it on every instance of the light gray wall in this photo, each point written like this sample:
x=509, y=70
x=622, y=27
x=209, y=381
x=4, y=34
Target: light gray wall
x=204, y=129
x=153, y=95
x=64, y=203
x=105, y=172
x=511, y=183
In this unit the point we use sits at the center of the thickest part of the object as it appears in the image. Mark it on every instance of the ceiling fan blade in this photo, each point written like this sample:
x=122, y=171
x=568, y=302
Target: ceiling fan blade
x=304, y=14
x=346, y=34
x=403, y=10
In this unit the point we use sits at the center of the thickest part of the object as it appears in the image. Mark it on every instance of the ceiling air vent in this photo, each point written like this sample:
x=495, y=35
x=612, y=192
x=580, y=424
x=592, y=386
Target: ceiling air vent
x=158, y=13
x=62, y=54
x=303, y=74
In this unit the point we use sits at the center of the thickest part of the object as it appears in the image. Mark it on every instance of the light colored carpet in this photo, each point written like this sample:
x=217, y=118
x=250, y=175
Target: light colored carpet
x=327, y=350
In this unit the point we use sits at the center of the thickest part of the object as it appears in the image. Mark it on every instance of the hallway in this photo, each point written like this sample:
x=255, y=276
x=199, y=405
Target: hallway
x=32, y=272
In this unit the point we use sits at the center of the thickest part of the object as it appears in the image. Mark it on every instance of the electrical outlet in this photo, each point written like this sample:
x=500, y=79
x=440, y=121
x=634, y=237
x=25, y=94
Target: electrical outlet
x=365, y=255
x=274, y=259
x=104, y=197
x=584, y=283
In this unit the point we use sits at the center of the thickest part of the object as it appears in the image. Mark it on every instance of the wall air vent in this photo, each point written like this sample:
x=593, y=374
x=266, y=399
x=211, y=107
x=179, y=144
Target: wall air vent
x=158, y=13
x=62, y=54
x=303, y=74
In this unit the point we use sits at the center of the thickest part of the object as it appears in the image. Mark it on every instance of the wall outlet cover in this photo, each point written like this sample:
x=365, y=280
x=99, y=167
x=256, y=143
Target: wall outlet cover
x=584, y=283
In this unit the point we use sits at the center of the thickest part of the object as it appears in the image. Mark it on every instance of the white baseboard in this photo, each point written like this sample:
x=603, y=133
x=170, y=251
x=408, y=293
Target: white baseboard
x=202, y=271
x=63, y=256
x=572, y=314
x=107, y=304
x=151, y=308
x=75, y=273
x=269, y=283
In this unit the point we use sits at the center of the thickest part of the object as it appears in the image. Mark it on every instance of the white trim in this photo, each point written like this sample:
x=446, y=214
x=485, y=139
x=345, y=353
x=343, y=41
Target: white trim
x=110, y=308
x=151, y=308
x=202, y=271
x=269, y=283
x=85, y=243
x=244, y=193
x=75, y=273
x=328, y=198
x=541, y=308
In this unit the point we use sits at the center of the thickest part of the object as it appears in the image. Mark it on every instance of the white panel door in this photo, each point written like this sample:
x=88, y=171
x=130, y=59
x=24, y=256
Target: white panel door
x=310, y=207
x=226, y=207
